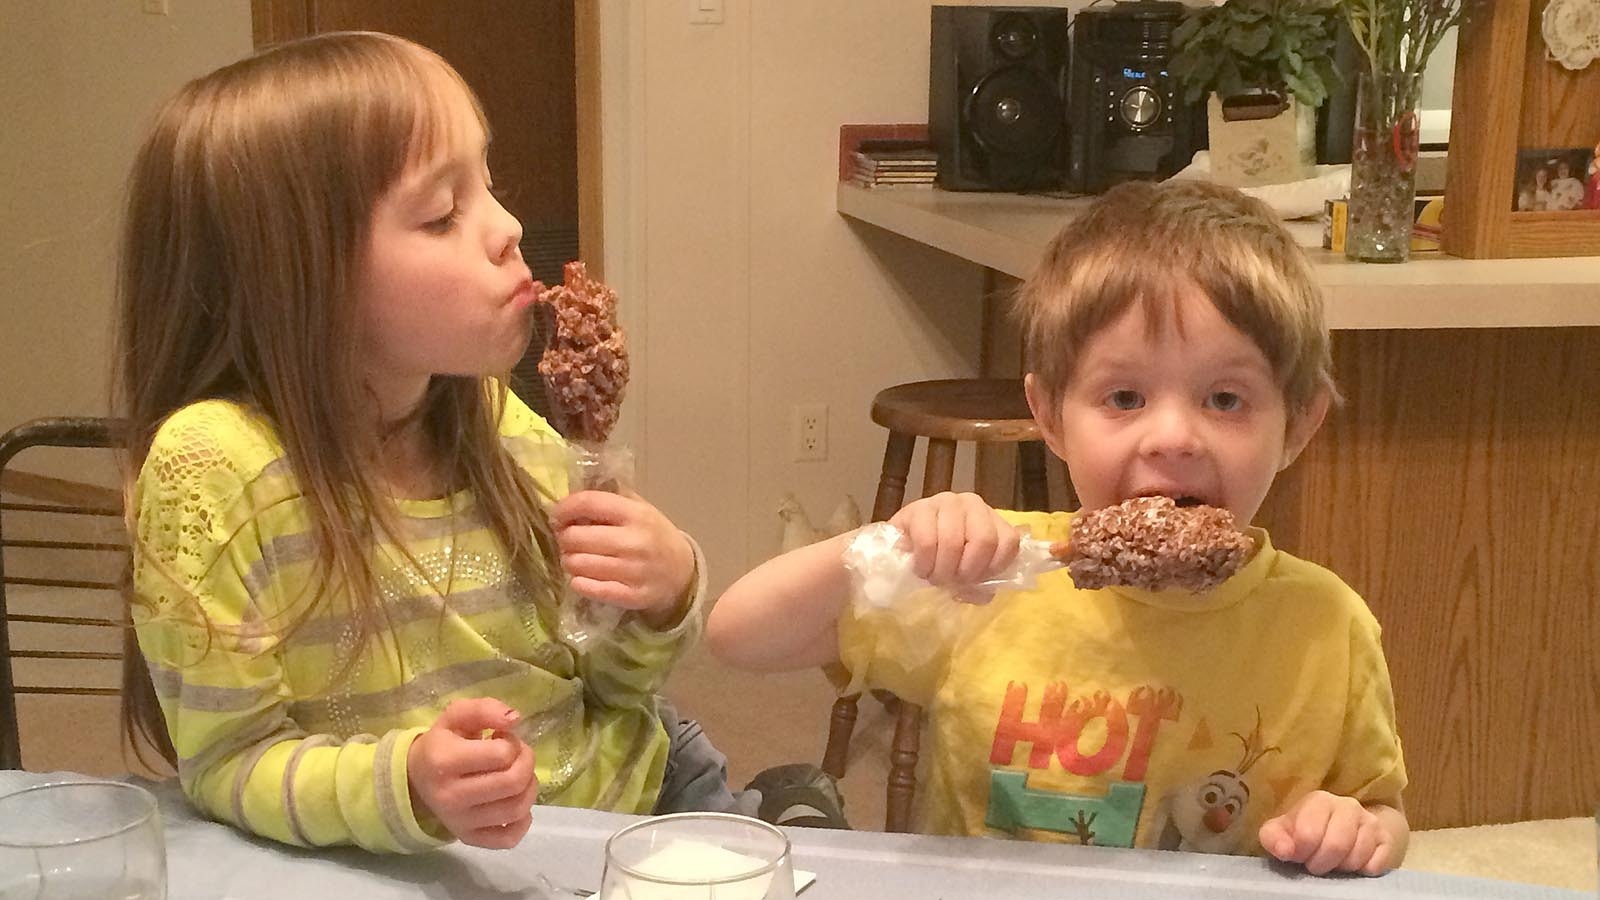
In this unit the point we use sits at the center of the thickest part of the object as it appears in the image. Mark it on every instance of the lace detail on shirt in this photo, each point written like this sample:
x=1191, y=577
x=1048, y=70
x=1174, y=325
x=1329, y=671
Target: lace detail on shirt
x=189, y=491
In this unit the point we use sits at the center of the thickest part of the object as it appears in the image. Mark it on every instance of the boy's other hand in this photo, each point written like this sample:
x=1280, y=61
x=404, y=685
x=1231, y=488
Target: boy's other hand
x=1326, y=833
x=619, y=549
x=481, y=789
x=956, y=540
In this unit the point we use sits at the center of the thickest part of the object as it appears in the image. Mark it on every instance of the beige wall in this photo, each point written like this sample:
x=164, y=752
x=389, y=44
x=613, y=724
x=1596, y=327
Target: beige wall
x=748, y=291
x=80, y=80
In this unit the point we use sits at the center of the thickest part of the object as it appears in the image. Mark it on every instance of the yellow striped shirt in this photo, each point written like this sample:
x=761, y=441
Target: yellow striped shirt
x=303, y=737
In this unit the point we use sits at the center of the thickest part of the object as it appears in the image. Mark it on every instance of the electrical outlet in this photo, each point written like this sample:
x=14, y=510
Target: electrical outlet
x=810, y=432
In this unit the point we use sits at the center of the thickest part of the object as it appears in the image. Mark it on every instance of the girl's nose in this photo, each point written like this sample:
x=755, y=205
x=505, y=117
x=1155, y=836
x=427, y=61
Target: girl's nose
x=1171, y=430
x=508, y=234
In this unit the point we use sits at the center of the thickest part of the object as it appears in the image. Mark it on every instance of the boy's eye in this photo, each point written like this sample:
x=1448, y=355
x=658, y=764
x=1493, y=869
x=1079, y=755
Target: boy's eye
x=1225, y=401
x=1124, y=399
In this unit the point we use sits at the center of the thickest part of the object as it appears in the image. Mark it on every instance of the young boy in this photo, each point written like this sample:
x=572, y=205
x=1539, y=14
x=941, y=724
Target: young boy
x=1177, y=347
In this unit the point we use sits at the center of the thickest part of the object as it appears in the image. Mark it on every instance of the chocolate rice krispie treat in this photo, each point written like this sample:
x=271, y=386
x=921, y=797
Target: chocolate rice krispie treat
x=1154, y=544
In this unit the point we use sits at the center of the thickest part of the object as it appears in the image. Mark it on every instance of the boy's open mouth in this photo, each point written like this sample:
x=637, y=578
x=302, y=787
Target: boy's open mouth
x=1177, y=498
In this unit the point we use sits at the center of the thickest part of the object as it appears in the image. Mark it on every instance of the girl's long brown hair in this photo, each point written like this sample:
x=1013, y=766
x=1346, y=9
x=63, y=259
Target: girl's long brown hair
x=248, y=210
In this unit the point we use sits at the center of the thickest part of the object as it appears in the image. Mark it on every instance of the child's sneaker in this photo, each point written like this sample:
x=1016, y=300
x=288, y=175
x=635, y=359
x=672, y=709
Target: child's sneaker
x=799, y=794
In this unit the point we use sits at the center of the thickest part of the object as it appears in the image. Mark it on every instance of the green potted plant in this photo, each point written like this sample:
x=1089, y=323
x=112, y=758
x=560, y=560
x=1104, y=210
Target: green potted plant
x=1266, y=66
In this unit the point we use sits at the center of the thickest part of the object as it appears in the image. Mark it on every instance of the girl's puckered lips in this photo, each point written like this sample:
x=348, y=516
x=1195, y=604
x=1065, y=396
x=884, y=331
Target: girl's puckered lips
x=526, y=293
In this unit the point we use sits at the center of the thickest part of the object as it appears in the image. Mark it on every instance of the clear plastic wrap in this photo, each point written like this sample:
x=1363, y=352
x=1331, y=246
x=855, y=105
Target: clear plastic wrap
x=879, y=558
x=602, y=467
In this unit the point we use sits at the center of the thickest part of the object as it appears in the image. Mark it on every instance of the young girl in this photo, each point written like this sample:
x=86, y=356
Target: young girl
x=345, y=577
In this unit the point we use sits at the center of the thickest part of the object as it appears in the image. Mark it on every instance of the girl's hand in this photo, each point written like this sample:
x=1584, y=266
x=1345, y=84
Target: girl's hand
x=1326, y=832
x=619, y=549
x=482, y=790
x=957, y=540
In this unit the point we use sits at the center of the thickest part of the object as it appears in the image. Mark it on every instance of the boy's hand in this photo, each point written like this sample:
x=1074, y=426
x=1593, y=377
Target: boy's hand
x=482, y=790
x=1326, y=832
x=619, y=549
x=957, y=540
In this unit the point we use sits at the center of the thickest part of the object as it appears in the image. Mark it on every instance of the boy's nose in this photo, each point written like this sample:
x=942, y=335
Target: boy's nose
x=1171, y=431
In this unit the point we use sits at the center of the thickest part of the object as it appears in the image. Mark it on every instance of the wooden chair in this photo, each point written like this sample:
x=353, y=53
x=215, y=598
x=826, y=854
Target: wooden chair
x=63, y=543
x=983, y=411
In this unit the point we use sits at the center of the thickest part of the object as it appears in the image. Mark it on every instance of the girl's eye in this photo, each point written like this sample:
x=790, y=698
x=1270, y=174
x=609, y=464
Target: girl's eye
x=444, y=223
x=1225, y=401
x=1124, y=400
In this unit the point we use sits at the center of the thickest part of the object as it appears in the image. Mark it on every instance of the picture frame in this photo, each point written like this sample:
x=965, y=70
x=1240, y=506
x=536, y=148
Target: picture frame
x=1509, y=98
x=1556, y=179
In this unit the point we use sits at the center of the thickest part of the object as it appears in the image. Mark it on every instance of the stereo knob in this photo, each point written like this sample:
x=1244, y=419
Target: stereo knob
x=1140, y=106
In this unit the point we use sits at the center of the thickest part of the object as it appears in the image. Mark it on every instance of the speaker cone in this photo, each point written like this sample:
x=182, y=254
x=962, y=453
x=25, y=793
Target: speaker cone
x=1014, y=112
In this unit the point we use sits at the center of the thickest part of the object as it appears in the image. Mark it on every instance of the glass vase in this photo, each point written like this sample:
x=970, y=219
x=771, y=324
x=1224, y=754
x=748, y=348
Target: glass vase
x=1383, y=169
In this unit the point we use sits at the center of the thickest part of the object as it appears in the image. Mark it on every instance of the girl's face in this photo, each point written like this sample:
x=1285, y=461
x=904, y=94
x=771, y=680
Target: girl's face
x=442, y=288
x=1191, y=411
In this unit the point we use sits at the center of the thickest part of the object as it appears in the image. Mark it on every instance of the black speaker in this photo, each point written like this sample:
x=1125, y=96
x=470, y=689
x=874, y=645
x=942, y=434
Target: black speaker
x=1128, y=118
x=997, y=78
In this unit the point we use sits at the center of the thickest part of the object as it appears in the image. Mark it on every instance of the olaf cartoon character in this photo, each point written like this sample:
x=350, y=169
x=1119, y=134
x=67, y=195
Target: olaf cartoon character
x=1208, y=816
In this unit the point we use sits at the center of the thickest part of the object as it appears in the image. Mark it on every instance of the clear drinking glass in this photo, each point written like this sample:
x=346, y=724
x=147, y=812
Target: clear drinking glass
x=80, y=840
x=698, y=856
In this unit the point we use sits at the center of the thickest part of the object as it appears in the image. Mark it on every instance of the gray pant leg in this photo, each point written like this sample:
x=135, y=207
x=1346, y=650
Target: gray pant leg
x=697, y=773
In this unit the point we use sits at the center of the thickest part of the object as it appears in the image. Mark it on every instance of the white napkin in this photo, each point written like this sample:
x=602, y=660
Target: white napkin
x=693, y=859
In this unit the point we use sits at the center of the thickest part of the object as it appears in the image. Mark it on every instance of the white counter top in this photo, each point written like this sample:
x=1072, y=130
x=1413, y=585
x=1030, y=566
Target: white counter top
x=1008, y=233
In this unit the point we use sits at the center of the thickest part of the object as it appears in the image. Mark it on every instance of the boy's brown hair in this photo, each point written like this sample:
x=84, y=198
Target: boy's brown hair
x=1143, y=242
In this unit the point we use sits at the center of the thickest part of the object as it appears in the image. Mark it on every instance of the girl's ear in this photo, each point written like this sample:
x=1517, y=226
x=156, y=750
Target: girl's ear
x=1046, y=414
x=1303, y=425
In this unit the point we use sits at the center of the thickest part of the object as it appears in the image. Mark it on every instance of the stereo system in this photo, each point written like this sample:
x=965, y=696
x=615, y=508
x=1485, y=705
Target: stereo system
x=1014, y=106
x=997, y=80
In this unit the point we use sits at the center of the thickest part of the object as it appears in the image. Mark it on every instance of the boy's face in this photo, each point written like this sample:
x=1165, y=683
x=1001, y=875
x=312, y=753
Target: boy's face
x=1191, y=411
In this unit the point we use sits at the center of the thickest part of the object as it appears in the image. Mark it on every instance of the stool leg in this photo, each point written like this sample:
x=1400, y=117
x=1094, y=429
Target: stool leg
x=903, y=767
x=840, y=726
x=940, y=469
x=1035, y=484
x=892, y=483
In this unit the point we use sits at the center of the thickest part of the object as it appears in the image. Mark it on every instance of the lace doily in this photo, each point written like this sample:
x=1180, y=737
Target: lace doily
x=1571, y=31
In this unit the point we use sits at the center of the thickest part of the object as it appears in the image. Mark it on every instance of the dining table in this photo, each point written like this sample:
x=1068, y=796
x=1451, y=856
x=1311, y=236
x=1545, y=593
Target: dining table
x=563, y=857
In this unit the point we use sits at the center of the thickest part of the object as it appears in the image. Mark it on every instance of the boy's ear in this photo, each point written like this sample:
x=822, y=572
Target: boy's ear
x=1303, y=425
x=1045, y=414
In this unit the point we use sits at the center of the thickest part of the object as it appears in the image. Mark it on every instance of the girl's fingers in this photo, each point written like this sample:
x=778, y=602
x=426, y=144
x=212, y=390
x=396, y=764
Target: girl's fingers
x=491, y=787
x=612, y=592
x=602, y=568
x=498, y=837
x=600, y=507
x=611, y=540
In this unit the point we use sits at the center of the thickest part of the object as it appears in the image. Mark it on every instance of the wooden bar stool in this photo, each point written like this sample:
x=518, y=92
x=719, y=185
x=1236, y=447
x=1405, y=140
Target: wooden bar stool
x=986, y=410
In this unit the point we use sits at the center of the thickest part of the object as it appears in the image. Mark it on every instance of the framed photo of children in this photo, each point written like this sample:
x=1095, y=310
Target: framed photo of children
x=1523, y=129
x=1557, y=179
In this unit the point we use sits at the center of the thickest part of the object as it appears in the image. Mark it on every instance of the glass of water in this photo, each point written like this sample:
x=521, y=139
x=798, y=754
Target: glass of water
x=81, y=839
x=698, y=856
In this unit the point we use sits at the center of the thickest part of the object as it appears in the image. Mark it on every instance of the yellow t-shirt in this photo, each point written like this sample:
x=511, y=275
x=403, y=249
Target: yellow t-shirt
x=303, y=738
x=1132, y=718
